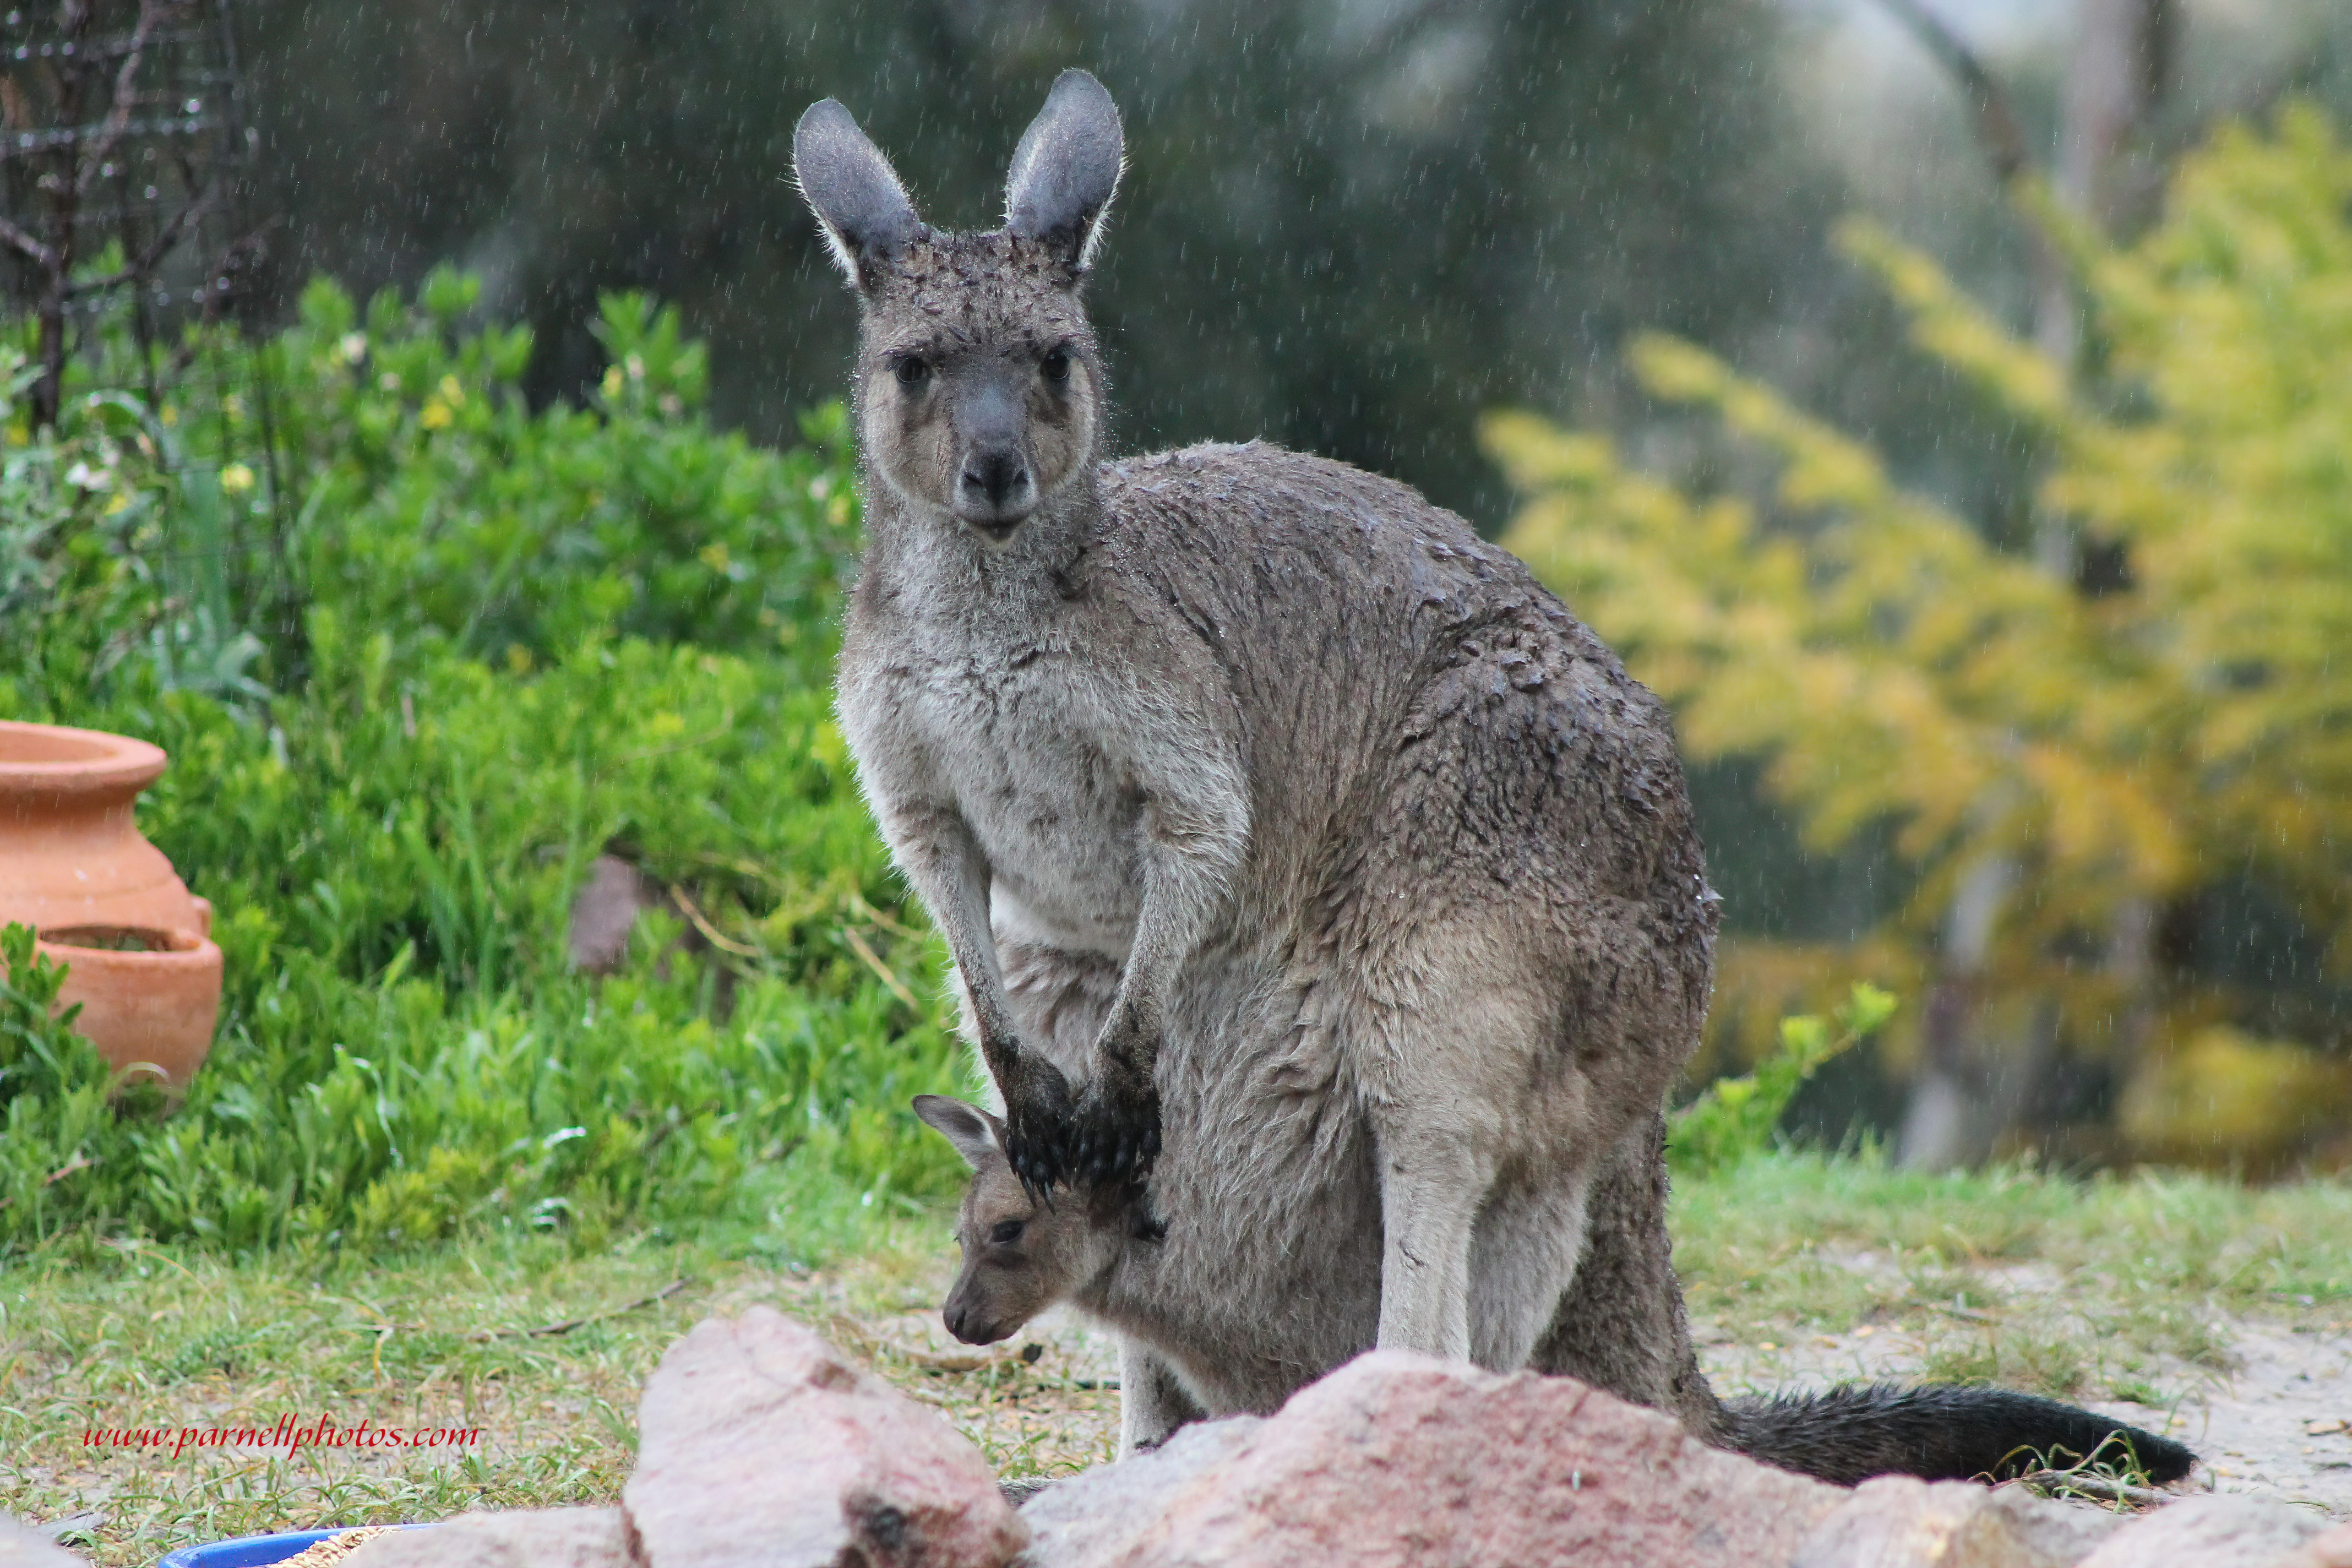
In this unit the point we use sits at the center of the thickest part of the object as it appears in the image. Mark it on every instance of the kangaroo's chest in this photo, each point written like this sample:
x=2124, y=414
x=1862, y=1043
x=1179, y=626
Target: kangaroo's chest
x=1028, y=748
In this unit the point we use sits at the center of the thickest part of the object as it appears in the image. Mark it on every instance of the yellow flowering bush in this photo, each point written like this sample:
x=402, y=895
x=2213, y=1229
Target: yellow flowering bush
x=2181, y=723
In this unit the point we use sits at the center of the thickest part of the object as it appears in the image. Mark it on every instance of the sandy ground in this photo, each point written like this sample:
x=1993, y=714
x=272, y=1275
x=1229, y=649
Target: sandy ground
x=2273, y=1416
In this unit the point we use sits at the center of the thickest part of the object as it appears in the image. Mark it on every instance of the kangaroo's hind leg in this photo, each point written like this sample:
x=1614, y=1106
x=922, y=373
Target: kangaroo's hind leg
x=1621, y=1326
x=1523, y=1254
x=1445, y=1088
x=1152, y=1401
x=1431, y=1185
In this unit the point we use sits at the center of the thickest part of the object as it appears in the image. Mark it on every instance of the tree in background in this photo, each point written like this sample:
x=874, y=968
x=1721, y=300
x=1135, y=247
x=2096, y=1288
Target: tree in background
x=2179, y=733
x=1977, y=1072
x=1346, y=227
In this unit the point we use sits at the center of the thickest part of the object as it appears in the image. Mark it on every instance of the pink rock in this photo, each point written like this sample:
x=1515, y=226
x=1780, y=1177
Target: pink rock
x=758, y=1443
x=1092, y=1518
x=21, y=1546
x=533, y=1538
x=2219, y=1530
x=1898, y=1521
x=1398, y=1461
x=2333, y=1550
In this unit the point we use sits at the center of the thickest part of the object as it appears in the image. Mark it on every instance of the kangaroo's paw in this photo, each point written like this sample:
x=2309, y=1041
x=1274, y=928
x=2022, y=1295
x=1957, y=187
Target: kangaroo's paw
x=1118, y=1132
x=1038, y=1117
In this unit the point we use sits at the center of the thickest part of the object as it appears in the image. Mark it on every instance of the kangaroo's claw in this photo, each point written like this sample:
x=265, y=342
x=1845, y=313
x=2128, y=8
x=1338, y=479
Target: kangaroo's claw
x=1037, y=1132
x=1119, y=1135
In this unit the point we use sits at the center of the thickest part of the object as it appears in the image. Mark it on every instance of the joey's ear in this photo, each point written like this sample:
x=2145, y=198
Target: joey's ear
x=858, y=201
x=977, y=1136
x=1066, y=169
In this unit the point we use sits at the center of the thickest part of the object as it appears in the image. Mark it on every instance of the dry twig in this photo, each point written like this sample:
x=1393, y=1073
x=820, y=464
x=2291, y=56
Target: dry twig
x=565, y=1327
x=874, y=962
x=2086, y=1483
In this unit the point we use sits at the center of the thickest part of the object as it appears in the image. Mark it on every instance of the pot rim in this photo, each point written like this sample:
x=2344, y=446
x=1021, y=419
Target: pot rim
x=114, y=764
x=183, y=943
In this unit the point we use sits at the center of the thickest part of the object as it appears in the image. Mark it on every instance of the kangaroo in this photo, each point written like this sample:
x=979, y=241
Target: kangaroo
x=1354, y=821
x=1188, y=1353
x=1254, y=786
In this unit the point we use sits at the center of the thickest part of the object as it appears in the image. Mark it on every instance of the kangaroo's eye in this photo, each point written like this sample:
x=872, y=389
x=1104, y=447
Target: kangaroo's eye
x=1004, y=1233
x=1055, y=366
x=912, y=372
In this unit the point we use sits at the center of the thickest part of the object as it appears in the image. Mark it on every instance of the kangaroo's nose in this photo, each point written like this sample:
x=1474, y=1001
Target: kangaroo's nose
x=997, y=477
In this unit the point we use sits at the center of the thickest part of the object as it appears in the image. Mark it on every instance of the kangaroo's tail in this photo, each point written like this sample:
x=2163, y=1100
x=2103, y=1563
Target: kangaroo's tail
x=1939, y=1431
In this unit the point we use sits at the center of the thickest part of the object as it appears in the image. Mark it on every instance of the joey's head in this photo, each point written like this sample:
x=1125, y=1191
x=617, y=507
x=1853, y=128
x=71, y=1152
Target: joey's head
x=1019, y=1256
x=980, y=395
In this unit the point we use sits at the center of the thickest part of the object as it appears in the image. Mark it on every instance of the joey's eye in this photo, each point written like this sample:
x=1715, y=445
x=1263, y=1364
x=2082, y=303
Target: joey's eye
x=1004, y=1233
x=912, y=372
x=1055, y=366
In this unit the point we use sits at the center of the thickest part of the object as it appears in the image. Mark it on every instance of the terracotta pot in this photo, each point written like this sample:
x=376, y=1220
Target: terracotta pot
x=73, y=866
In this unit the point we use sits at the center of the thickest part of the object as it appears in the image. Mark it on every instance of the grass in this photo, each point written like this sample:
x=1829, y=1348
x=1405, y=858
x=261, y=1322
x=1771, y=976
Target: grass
x=154, y=1335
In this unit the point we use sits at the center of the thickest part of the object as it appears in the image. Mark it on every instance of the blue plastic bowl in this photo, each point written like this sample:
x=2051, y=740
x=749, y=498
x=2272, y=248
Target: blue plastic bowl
x=257, y=1550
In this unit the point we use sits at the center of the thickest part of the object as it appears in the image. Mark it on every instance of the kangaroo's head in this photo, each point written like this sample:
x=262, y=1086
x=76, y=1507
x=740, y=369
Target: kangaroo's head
x=979, y=396
x=1019, y=1256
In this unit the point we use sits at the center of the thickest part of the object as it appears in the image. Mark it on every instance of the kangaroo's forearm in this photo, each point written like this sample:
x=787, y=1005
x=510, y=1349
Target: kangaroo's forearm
x=941, y=858
x=1188, y=869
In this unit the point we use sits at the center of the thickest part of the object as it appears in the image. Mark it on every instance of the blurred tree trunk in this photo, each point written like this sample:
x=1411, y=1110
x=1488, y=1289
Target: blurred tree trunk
x=1983, y=1068
x=2109, y=167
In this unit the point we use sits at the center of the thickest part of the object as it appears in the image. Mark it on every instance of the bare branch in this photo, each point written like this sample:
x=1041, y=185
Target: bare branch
x=24, y=243
x=157, y=249
x=1997, y=123
x=2106, y=1488
x=118, y=114
x=2003, y=136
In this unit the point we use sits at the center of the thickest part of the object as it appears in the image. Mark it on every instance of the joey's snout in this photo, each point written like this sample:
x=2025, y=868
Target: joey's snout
x=972, y=1323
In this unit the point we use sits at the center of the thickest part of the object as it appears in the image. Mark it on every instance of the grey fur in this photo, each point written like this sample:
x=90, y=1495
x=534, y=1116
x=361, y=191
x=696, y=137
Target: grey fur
x=1269, y=812
x=973, y=1131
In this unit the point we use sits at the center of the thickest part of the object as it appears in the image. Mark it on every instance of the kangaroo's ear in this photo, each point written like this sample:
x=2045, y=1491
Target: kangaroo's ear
x=858, y=201
x=1066, y=169
x=977, y=1136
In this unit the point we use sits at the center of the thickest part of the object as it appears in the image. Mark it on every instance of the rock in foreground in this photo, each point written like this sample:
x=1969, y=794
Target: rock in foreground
x=1898, y=1521
x=2216, y=1532
x=2333, y=1550
x=22, y=1546
x=1400, y=1461
x=535, y=1538
x=758, y=1443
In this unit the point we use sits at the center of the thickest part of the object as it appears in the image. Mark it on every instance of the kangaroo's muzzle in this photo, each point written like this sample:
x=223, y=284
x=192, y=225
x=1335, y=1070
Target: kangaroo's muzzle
x=994, y=491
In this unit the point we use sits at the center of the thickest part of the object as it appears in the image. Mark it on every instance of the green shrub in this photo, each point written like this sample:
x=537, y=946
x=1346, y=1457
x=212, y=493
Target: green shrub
x=487, y=645
x=39, y=1054
x=435, y=503
x=401, y=1036
x=1734, y=1119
